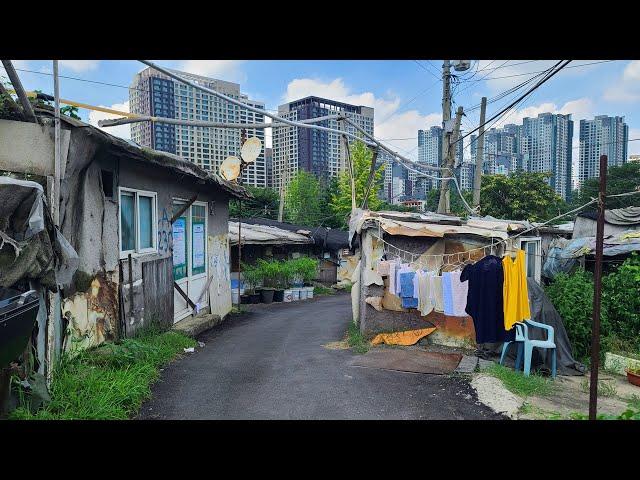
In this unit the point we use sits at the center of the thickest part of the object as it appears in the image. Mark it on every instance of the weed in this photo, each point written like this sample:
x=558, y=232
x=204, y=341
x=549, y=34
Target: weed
x=355, y=339
x=111, y=381
x=322, y=290
x=520, y=385
x=605, y=389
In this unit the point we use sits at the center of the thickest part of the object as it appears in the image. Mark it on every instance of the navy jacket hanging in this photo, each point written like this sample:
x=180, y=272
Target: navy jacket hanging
x=484, y=300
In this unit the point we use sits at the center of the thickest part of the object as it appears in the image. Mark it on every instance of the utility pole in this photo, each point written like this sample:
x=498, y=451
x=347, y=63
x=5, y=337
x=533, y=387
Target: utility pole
x=444, y=205
x=282, y=184
x=446, y=120
x=477, y=177
x=597, y=292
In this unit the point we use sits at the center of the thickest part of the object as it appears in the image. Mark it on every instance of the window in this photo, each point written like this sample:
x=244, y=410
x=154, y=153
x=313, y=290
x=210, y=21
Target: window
x=137, y=221
x=532, y=247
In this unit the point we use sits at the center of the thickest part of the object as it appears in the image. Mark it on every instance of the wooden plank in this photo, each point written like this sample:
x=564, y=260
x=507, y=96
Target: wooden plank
x=184, y=295
x=157, y=281
x=183, y=208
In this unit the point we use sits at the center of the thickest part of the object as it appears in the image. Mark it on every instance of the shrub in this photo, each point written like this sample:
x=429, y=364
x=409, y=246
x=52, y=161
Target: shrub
x=621, y=299
x=572, y=295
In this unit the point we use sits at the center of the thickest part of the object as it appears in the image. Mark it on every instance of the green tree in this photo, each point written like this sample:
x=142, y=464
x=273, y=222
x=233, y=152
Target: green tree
x=264, y=204
x=622, y=179
x=455, y=202
x=361, y=158
x=303, y=199
x=520, y=196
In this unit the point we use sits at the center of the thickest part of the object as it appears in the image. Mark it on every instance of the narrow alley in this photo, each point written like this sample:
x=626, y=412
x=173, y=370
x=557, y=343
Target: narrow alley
x=271, y=364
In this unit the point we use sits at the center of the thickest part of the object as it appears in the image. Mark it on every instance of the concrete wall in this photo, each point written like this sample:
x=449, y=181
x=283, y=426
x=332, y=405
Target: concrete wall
x=586, y=227
x=29, y=147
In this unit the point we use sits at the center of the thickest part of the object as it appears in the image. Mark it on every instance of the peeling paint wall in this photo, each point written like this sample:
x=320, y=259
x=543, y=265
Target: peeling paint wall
x=92, y=316
x=220, y=286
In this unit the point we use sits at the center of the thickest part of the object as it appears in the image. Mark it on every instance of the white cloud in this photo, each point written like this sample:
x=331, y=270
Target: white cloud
x=579, y=109
x=389, y=123
x=122, y=131
x=626, y=88
x=79, y=66
x=228, y=70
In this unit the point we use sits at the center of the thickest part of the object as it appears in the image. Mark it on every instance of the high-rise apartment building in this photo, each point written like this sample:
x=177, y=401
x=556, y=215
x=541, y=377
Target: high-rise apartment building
x=430, y=153
x=501, y=150
x=603, y=135
x=546, y=147
x=319, y=152
x=155, y=94
x=268, y=166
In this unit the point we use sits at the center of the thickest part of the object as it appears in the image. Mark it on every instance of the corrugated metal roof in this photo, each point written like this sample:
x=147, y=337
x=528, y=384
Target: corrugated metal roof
x=265, y=235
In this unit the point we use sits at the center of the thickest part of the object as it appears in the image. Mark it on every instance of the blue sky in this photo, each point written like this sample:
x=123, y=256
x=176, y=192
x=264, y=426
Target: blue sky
x=406, y=94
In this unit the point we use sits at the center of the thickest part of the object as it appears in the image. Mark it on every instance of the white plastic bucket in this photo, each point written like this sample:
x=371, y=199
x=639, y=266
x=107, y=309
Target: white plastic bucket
x=309, y=291
x=295, y=294
x=288, y=296
x=303, y=294
x=235, y=295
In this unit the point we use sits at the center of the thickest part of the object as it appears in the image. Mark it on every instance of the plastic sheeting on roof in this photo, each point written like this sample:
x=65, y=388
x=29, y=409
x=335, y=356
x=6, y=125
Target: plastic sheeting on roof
x=563, y=252
x=265, y=235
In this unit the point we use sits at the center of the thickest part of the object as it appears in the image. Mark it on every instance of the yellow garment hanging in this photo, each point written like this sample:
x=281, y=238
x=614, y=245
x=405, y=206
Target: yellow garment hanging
x=515, y=295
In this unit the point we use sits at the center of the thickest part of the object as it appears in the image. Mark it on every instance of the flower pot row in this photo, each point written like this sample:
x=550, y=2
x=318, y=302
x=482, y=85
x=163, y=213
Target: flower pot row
x=269, y=295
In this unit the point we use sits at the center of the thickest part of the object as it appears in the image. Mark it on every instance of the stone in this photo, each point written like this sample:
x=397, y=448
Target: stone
x=194, y=326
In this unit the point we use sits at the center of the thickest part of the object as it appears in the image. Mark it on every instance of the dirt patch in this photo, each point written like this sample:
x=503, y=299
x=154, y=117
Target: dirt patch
x=340, y=345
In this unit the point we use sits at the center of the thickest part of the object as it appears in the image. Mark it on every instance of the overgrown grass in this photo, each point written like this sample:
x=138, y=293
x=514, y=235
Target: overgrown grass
x=605, y=389
x=109, y=382
x=355, y=339
x=520, y=385
x=322, y=290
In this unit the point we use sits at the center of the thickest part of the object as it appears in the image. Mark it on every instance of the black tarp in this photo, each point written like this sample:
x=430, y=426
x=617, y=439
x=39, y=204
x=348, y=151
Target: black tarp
x=542, y=311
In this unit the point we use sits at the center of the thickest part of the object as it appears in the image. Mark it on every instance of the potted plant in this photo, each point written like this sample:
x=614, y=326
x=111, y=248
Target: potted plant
x=268, y=271
x=252, y=277
x=309, y=271
x=286, y=276
x=633, y=376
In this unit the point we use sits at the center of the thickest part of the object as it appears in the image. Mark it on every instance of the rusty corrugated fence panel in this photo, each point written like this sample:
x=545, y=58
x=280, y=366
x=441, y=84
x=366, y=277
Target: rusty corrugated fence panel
x=157, y=280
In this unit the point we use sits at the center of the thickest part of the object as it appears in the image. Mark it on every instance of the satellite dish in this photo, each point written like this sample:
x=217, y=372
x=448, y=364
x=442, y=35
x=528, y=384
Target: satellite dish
x=230, y=168
x=251, y=149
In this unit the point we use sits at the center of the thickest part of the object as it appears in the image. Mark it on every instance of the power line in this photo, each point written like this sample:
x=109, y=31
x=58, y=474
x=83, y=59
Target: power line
x=542, y=71
x=427, y=70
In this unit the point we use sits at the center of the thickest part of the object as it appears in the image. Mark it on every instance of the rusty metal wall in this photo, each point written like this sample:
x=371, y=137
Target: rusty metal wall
x=157, y=286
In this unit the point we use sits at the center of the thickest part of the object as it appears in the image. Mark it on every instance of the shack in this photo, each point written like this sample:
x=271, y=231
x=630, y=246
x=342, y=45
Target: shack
x=149, y=228
x=329, y=245
x=438, y=241
x=621, y=238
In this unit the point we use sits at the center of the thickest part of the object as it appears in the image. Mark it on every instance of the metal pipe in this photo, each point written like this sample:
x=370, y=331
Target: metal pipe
x=200, y=123
x=239, y=103
x=597, y=292
x=17, y=85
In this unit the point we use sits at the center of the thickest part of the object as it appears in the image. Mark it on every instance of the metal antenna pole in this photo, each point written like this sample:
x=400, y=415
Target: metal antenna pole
x=243, y=138
x=56, y=168
x=597, y=292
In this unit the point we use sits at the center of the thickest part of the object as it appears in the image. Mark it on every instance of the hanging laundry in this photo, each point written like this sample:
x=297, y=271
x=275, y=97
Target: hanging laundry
x=409, y=302
x=515, y=293
x=425, y=304
x=459, y=292
x=485, y=300
x=392, y=276
x=383, y=267
x=406, y=284
x=404, y=268
x=447, y=294
x=436, y=293
x=416, y=286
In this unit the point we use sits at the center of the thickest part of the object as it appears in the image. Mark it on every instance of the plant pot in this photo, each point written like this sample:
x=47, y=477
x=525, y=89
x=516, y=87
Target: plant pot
x=278, y=295
x=633, y=378
x=288, y=296
x=267, y=295
x=309, y=292
x=244, y=299
x=255, y=298
x=295, y=294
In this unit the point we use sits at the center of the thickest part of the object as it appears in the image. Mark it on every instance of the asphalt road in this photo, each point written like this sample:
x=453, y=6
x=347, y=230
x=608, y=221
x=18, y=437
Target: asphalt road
x=270, y=363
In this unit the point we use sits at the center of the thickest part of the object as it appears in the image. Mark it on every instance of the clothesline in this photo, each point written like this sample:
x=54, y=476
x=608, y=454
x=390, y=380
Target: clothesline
x=414, y=256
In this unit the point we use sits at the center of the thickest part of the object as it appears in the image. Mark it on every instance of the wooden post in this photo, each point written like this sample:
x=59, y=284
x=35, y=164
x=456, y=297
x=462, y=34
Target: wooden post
x=130, y=289
x=597, y=292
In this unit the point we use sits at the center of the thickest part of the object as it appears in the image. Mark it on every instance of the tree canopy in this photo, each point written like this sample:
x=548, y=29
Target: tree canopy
x=303, y=200
x=622, y=179
x=264, y=204
x=361, y=157
x=520, y=196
